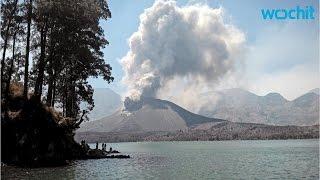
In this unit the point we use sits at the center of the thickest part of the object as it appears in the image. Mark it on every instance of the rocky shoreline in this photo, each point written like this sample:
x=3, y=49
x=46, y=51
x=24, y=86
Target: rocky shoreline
x=101, y=153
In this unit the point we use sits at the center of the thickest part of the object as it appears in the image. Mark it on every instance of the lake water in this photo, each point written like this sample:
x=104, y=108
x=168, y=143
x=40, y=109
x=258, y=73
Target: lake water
x=276, y=159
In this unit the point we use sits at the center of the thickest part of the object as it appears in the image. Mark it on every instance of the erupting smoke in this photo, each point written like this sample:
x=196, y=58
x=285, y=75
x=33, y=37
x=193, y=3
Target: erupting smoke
x=179, y=51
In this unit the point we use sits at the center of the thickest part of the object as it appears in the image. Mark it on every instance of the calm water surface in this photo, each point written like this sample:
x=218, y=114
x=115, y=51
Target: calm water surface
x=279, y=159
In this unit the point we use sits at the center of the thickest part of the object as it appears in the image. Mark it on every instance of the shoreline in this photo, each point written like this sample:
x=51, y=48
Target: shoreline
x=211, y=141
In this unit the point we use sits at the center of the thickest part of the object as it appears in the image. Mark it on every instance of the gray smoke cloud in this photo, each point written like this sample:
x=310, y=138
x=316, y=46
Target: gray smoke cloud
x=179, y=50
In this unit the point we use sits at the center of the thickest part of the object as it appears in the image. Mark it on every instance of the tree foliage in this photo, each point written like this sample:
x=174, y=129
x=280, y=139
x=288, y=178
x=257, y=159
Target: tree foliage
x=63, y=41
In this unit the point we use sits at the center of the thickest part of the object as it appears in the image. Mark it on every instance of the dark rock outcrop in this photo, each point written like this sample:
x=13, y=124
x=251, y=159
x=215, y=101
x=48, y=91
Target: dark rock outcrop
x=34, y=135
x=99, y=154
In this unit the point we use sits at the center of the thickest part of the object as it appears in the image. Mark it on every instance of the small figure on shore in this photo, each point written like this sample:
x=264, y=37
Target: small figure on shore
x=97, y=145
x=110, y=150
x=85, y=145
x=104, y=146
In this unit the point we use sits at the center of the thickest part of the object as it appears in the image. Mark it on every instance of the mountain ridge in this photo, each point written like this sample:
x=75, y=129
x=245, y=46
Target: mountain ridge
x=106, y=102
x=155, y=119
x=239, y=106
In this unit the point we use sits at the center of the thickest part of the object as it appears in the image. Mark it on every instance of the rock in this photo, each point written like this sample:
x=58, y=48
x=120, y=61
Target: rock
x=99, y=154
x=119, y=156
x=34, y=135
x=114, y=151
x=96, y=154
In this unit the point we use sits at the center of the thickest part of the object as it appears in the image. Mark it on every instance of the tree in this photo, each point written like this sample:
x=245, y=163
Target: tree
x=75, y=41
x=8, y=11
x=66, y=47
x=26, y=65
x=43, y=28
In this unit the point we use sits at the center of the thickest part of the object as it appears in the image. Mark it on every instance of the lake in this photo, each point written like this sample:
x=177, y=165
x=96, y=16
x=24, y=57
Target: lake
x=254, y=159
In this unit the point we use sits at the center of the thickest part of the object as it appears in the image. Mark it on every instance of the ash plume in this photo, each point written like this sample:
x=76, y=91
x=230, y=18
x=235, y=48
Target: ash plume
x=179, y=48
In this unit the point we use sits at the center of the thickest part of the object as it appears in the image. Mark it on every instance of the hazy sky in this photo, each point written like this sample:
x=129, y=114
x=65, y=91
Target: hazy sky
x=280, y=56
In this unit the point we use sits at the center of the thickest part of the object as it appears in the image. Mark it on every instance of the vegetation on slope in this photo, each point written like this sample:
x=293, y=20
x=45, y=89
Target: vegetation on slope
x=63, y=41
x=36, y=135
x=209, y=132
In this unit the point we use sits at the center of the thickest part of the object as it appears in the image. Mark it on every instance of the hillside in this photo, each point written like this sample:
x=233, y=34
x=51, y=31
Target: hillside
x=153, y=115
x=236, y=105
x=250, y=117
x=34, y=135
x=239, y=105
x=106, y=102
x=316, y=90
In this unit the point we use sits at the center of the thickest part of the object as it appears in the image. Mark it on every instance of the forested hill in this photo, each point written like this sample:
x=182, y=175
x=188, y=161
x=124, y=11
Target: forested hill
x=49, y=50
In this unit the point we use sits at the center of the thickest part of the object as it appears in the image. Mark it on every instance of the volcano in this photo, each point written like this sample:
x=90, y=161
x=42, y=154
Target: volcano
x=148, y=115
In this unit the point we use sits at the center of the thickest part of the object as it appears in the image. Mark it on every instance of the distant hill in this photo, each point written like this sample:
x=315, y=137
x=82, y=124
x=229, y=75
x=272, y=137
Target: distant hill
x=316, y=90
x=153, y=115
x=239, y=105
x=106, y=102
x=236, y=105
x=155, y=119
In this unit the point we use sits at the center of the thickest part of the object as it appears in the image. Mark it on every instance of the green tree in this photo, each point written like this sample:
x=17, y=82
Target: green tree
x=66, y=48
x=26, y=65
x=8, y=11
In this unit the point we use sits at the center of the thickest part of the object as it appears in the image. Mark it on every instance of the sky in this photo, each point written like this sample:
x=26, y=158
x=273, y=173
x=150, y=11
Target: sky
x=278, y=55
